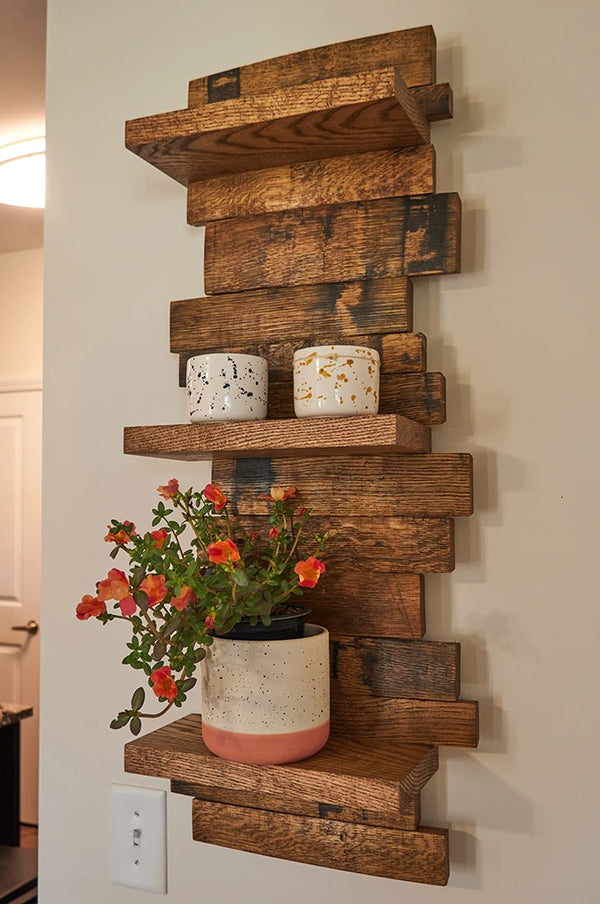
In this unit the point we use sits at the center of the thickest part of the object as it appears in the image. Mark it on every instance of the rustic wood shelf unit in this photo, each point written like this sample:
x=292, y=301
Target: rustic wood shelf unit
x=315, y=179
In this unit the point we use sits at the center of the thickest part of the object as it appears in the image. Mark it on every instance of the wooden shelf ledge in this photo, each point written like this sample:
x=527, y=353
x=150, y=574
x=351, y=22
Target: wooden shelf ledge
x=378, y=434
x=344, y=774
x=351, y=114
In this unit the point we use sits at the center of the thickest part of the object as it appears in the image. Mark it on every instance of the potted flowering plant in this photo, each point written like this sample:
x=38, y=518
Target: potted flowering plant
x=194, y=577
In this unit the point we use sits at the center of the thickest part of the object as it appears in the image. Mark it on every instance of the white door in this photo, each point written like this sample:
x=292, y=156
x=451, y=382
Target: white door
x=20, y=561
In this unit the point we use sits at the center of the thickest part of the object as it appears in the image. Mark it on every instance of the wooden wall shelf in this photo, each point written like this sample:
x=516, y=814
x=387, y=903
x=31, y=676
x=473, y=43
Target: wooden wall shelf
x=378, y=434
x=315, y=178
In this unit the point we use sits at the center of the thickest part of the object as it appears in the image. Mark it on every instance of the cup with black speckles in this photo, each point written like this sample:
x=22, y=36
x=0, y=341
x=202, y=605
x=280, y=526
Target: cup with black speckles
x=227, y=387
x=336, y=381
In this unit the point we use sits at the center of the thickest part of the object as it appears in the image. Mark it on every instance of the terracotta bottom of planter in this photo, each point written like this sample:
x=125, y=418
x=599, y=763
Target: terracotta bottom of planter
x=265, y=749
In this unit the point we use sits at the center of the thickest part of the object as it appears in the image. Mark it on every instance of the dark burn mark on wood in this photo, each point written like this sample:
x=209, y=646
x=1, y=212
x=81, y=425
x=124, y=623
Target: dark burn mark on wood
x=334, y=654
x=223, y=86
x=427, y=233
x=327, y=811
x=255, y=472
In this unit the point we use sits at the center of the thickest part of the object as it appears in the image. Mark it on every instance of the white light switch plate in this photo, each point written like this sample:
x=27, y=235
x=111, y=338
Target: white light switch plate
x=139, y=838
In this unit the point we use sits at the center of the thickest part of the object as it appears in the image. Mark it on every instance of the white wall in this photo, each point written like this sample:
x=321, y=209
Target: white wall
x=21, y=302
x=516, y=335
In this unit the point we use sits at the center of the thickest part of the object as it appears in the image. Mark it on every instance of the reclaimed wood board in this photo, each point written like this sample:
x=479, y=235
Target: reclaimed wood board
x=411, y=50
x=414, y=856
x=408, y=236
x=406, y=818
x=334, y=180
x=370, y=603
x=400, y=353
x=419, y=397
x=407, y=544
x=439, y=484
x=351, y=114
x=369, y=306
x=388, y=667
x=278, y=438
x=402, y=721
x=344, y=773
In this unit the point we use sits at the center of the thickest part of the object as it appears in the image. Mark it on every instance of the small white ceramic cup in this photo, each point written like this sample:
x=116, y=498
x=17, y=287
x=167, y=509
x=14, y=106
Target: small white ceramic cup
x=227, y=387
x=336, y=381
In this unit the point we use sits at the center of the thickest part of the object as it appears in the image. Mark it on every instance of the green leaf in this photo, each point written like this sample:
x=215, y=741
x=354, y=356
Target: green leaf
x=188, y=684
x=138, y=574
x=113, y=552
x=141, y=599
x=137, y=700
x=135, y=726
x=121, y=720
x=239, y=577
x=160, y=648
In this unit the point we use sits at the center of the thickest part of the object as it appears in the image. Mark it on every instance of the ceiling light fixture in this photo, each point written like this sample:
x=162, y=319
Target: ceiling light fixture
x=23, y=173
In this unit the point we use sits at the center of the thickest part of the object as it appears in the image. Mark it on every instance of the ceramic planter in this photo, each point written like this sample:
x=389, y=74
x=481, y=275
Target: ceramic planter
x=266, y=701
x=223, y=387
x=336, y=381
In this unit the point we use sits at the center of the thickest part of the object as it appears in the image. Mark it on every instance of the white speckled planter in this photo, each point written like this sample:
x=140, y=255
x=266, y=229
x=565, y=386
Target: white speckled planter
x=224, y=387
x=266, y=701
x=336, y=381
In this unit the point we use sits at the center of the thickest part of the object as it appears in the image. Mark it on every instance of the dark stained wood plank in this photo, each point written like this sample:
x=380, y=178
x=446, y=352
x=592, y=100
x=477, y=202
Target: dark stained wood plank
x=276, y=438
x=402, y=721
x=342, y=485
x=388, y=667
x=408, y=818
x=370, y=603
x=416, y=545
x=408, y=236
x=420, y=397
x=352, y=114
x=370, y=306
x=436, y=101
x=399, y=352
x=414, y=856
x=334, y=180
x=344, y=773
x=411, y=50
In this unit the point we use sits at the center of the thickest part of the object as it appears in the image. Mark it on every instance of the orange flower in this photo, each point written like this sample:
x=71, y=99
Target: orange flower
x=90, y=606
x=273, y=533
x=155, y=588
x=213, y=494
x=209, y=621
x=183, y=598
x=163, y=684
x=309, y=571
x=279, y=494
x=116, y=587
x=223, y=551
x=121, y=536
x=170, y=490
x=159, y=537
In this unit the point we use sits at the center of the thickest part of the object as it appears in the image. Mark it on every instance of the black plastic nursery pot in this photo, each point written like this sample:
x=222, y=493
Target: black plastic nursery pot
x=284, y=626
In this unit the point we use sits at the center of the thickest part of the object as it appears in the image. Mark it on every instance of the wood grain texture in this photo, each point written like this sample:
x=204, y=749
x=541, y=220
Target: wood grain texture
x=388, y=667
x=403, y=721
x=344, y=773
x=343, y=485
x=436, y=101
x=409, y=544
x=352, y=114
x=400, y=353
x=411, y=51
x=370, y=306
x=371, y=603
x=414, y=856
x=277, y=438
x=334, y=180
x=408, y=236
x=419, y=397
x=409, y=818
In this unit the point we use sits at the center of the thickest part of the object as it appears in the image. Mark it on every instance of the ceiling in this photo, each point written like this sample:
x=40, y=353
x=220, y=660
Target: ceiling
x=22, y=105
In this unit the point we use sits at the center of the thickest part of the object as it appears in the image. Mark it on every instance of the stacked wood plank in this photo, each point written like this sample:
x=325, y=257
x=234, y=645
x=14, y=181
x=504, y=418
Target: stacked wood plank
x=314, y=177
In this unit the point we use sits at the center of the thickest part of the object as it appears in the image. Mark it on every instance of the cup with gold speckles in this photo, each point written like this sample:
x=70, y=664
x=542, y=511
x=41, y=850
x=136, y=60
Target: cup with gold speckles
x=336, y=381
